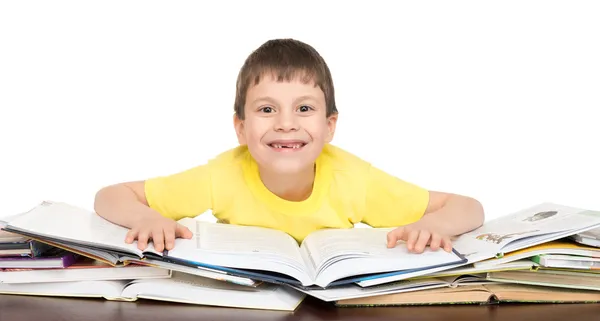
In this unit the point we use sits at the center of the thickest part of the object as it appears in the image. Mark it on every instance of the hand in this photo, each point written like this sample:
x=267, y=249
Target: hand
x=417, y=237
x=161, y=230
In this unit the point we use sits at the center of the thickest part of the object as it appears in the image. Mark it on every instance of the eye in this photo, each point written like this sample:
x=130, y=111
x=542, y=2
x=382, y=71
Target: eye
x=267, y=109
x=305, y=108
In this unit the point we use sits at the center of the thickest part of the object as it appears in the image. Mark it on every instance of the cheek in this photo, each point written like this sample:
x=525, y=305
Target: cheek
x=318, y=131
x=255, y=130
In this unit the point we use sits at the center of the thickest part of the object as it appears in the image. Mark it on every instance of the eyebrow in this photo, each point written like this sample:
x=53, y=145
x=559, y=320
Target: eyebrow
x=273, y=101
x=305, y=97
x=265, y=99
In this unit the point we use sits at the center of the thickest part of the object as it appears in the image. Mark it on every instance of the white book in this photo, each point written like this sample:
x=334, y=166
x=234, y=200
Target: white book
x=181, y=288
x=82, y=270
x=325, y=258
x=567, y=261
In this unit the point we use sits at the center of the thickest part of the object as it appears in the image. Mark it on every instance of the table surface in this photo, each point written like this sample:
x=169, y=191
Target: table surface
x=16, y=308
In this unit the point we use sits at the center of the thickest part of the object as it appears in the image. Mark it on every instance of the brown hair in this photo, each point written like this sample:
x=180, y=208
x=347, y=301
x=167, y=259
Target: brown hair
x=285, y=59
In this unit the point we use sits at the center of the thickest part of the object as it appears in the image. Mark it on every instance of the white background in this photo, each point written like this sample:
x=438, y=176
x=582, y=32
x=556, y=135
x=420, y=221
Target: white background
x=491, y=99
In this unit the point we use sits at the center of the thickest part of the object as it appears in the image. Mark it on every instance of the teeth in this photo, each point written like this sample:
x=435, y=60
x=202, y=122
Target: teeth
x=294, y=146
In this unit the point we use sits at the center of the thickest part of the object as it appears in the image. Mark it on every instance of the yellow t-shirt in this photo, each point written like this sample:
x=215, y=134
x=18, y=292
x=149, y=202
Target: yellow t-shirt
x=347, y=190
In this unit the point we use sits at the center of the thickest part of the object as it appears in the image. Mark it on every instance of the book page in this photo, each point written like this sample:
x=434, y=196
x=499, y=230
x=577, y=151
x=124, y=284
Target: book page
x=63, y=222
x=249, y=240
x=340, y=253
x=327, y=245
x=528, y=227
x=324, y=245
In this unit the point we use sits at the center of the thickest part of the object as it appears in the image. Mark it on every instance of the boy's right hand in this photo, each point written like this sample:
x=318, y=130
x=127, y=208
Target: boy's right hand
x=161, y=230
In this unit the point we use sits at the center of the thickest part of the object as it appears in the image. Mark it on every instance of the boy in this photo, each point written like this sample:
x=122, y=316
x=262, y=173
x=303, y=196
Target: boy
x=285, y=174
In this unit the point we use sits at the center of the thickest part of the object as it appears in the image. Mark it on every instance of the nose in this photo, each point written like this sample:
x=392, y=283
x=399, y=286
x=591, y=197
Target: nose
x=286, y=122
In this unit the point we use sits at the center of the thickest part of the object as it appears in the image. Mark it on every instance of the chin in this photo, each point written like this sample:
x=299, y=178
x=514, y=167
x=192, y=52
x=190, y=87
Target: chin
x=286, y=167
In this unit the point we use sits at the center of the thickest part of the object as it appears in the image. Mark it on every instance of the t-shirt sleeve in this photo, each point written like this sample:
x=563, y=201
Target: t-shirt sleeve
x=391, y=201
x=184, y=194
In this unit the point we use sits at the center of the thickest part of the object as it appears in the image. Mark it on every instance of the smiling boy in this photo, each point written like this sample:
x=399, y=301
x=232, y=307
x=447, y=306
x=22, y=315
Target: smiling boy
x=286, y=174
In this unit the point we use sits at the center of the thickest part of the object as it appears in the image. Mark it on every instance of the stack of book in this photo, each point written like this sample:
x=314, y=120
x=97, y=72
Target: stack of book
x=19, y=252
x=24, y=260
x=539, y=254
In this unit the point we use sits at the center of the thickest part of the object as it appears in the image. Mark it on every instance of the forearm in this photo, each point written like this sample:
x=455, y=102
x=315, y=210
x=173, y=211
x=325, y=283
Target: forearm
x=120, y=205
x=458, y=215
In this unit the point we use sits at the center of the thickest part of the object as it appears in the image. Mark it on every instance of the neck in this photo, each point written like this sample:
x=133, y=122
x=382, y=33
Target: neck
x=291, y=186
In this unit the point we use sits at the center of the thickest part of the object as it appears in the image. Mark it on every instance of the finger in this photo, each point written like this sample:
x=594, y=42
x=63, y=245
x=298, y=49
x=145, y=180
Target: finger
x=447, y=244
x=169, y=238
x=436, y=241
x=183, y=232
x=158, y=239
x=422, y=241
x=131, y=235
x=412, y=239
x=142, y=239
x=393, y=237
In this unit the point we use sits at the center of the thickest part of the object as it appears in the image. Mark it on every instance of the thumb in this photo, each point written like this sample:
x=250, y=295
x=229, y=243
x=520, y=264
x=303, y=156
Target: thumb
x=183, y=232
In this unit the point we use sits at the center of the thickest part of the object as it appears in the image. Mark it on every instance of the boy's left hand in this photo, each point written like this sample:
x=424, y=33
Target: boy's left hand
x=417, y=236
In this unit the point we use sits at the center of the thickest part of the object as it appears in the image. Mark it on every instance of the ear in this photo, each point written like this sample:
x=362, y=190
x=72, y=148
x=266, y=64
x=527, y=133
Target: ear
x=238, y=124
x=331, y=123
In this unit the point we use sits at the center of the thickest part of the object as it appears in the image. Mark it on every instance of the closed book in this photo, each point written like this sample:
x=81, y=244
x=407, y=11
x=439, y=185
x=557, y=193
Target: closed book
x=53, y=258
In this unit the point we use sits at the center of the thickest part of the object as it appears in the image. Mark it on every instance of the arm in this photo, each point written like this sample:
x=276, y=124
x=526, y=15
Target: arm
x=422, y=217
x=126, y=204
x=123, y=204
x=150, y=208
x=452, y=214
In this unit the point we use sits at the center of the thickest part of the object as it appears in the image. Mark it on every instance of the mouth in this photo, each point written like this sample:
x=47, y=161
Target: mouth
x=287, y=145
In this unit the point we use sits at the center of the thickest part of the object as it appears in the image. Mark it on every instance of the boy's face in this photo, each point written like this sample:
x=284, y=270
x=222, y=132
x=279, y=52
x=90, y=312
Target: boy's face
x=285, y=126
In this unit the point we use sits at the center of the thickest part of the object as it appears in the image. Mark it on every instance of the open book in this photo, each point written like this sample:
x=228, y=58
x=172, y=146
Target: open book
x=181, y=288
x=532, y=226
x=325, y=258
